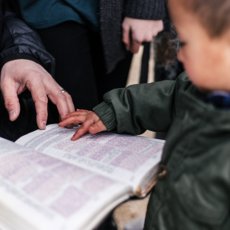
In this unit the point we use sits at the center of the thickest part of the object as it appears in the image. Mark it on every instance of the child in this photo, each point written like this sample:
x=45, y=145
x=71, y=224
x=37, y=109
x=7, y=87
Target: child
x=194, y=192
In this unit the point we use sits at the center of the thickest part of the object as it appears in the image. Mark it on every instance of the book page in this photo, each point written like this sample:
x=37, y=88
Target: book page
x=48, y=193
x=130, y=159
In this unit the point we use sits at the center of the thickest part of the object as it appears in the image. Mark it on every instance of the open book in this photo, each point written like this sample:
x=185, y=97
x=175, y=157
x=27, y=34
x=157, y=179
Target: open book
x=49, y=182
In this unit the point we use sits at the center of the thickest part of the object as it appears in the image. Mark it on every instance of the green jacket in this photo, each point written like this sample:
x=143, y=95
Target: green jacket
x=195, y=192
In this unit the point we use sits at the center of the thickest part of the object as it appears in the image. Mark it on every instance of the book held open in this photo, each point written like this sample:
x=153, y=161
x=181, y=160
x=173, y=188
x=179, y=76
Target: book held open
x=49, y=182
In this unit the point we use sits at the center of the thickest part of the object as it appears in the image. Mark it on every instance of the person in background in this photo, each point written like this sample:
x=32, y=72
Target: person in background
x=193, y=185
x=92, y=40
x=25, y=66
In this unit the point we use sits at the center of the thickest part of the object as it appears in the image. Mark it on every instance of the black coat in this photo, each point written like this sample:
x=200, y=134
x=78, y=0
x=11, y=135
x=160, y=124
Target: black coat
x=18, y=41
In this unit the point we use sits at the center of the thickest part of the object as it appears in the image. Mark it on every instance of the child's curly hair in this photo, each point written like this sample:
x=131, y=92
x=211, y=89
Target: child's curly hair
x=214, y=15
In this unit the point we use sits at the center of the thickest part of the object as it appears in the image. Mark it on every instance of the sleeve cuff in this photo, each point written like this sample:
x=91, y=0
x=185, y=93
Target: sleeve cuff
x=14, y=56
x=106, y=114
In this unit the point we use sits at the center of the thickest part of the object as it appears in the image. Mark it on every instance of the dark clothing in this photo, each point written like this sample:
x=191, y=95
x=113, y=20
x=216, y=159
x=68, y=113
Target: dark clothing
x=91, y=63
x=17, y=41
x=1, y=15
x=44, y=14
x=219, y=99
x=80, y=66
x=112, y=13
x=25, y=123
x=40, y=15
x=194, y=193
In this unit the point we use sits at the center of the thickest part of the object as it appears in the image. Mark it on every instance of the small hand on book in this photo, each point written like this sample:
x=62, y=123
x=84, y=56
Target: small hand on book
x=89, y=121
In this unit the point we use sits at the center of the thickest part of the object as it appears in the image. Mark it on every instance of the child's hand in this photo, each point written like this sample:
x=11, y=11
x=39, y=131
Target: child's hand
x=88, y=120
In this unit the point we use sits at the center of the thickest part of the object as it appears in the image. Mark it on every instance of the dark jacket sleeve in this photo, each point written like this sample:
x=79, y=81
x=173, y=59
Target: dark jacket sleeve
x=138, y=108
x=18, y=41
x=146, y=9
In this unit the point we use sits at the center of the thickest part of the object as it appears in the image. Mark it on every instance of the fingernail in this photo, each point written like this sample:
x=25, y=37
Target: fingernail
x=43, y=125
x=12, y=115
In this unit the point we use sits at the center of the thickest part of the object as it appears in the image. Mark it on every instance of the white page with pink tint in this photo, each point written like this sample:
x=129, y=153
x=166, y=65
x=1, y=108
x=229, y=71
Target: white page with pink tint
x=42, y=191
x=130, y=159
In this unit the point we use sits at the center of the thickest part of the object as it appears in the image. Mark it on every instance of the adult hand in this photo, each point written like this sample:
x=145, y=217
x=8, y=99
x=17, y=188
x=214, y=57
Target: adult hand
x=21, y=74
x=89, y=121
x=137, y=31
